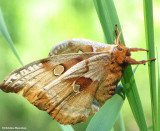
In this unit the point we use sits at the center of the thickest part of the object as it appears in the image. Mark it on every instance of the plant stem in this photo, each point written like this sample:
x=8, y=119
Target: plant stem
x=149, y=33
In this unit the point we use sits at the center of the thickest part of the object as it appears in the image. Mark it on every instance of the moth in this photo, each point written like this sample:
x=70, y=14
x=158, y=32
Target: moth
x=75, y=80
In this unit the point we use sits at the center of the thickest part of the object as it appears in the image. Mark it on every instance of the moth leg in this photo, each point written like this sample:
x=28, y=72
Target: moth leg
x=104, y=93
x=130, y=60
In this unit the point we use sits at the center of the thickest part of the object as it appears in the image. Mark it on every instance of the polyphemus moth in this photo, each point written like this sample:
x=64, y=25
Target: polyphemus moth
x=75, y=80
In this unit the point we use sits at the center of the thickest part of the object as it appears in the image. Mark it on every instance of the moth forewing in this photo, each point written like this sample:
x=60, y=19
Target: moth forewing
x=31, y=71
x=14, y=81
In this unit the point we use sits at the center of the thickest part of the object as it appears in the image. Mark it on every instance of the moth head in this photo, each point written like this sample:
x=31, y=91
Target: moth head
x=120, y=52
x=122, y=55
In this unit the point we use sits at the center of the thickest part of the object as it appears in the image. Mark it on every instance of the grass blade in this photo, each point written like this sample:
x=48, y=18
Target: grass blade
x=105, y=11
x=158, y=66
x=111, y=109
x=149, y=33
x=128, y=81
x=102, y=16
x=119, y=125
x=66, y=128
x=4, y=31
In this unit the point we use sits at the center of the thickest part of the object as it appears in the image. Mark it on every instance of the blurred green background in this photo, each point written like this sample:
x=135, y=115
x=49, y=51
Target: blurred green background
x=35, y=26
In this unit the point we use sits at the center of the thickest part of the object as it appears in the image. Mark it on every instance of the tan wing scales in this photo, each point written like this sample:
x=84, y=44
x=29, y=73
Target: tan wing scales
x=29, y=74
x=49, y=86
x=77, y=45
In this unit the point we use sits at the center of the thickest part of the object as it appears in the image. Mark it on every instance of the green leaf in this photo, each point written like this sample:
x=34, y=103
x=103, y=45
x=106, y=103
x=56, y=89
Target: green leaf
x=150, y=128
x=149, y=33
x=119, y=125
x=66, y=128
x=158, y=66
x=4, y=31
x=108, y=18
x=105, y=118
